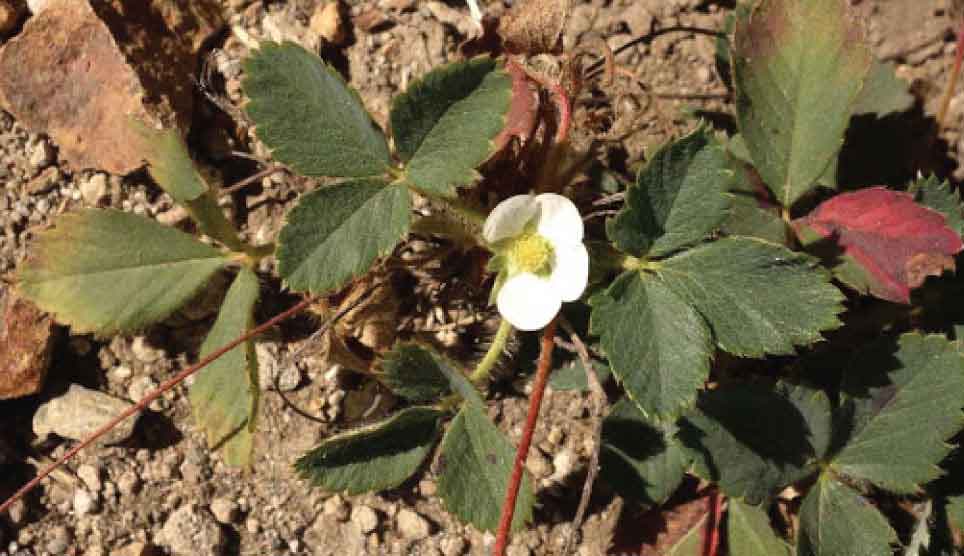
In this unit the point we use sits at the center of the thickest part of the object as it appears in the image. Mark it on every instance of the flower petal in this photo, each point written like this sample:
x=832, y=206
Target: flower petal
x=528, y=302
x=509, y=218
x=559, y=219
x=570, y=272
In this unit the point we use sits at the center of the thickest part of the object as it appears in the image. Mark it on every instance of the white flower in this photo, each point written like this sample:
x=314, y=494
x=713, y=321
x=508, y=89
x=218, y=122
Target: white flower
x=537, y=241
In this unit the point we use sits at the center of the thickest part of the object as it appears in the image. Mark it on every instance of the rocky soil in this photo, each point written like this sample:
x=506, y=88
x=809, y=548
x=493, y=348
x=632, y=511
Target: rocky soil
x=158, y=490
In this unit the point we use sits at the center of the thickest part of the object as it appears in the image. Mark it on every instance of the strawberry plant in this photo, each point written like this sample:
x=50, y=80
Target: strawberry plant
x=763, y=329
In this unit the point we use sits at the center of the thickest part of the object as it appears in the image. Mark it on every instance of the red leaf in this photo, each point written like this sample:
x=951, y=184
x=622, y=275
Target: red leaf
x=521, y=119
x=895, y=241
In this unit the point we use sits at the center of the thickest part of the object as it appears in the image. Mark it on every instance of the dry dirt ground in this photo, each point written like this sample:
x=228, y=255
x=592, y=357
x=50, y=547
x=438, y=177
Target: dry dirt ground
x=163, y=492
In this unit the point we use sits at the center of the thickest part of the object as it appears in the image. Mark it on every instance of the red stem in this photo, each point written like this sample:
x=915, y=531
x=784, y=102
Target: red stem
x=535, y=402
x=169, y=384
x=711, y=537
x=561, y=99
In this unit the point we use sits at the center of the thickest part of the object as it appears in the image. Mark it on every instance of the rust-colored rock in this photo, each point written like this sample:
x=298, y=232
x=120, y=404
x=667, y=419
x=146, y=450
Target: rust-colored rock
x=26, y=341
x=8, y=17
x=81, y=69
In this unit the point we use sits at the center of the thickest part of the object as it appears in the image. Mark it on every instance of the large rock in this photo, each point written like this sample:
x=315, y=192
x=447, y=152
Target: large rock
x=26, y=341
x=81, y=411
x=82, y=69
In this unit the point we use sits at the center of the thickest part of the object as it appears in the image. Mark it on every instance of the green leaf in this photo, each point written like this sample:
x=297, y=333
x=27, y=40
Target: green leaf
x=309, y=117
x=418, y=373
x=905, y=404
x=815, y=407
x=798, y=68
x=837, y=521
x=572, y=376
x=938, y=195
x=109, y=272
x=692, y=542
x=883, y=92
x=749, y=531
x=375, y=457
x=750, y=440
x=642, y=461
x=678, y=199
x=224, y=396
x=444, y=124
x=757, y=297
x=172, y=168
x=752, y=213
x=955, y=512
x=658, y=346
x=335, y=233
x=474, y=468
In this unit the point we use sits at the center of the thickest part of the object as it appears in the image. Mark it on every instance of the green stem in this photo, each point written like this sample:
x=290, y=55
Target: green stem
x=484, y=369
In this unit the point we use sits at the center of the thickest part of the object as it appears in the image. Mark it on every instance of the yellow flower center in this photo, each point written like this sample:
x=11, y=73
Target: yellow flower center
x=531, y=252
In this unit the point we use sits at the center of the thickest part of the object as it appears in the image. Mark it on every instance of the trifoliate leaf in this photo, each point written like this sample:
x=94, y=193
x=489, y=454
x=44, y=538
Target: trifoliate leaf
x=107, y=272
x=938, y=195
x=798, y=68
x=474, y=468
x=642, y=460
x=224, y=396
x=757, y=297
x=657, y=344
x=446, y=123
x=677, y=200
x=883, y=92
x=750, y=533
x=420, y=374
x=309, y=117
x=906, y=405
x=172, y=168
x=375, y=457
x=837, y=521
x=335, y=233
x=894, y=242
x=749, y=440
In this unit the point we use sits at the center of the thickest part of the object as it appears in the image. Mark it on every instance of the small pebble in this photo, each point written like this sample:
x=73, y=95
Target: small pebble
x=84, y=502
x=42, y=155
x=411, y=525
x=90, y=475
x=224, y=510
x=189, y=531
x=365, y=518
x=60, y=539
x=8, y=17
x=94, y=190
x=335, y=507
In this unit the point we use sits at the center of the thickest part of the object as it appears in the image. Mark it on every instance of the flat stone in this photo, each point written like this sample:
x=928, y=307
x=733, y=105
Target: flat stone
x=81, y=411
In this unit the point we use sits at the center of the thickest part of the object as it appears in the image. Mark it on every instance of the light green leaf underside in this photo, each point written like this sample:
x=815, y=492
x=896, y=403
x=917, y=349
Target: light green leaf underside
x=640, y=460
x=172, y=168
x=750, y=440
x=758, y=298
x=798, y=68
x=750, y=532
x=376, y=457
x=309, y=117
x=955, y=512
x=475, y=464
x=109, y=272
x=678, y=199
x=224, y=396
x=335, y=233
x=907, y=405
x=883, y=92
x=445, y=124
x=837, y=521
x=658, y=346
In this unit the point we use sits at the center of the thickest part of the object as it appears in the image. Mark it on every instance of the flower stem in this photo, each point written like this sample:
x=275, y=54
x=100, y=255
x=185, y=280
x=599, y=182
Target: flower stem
x=484, y=369
x=515, y=480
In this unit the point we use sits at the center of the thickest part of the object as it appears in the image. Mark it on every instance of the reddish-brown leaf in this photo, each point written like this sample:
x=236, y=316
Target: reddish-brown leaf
x=895, y=242
x=521, y=119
